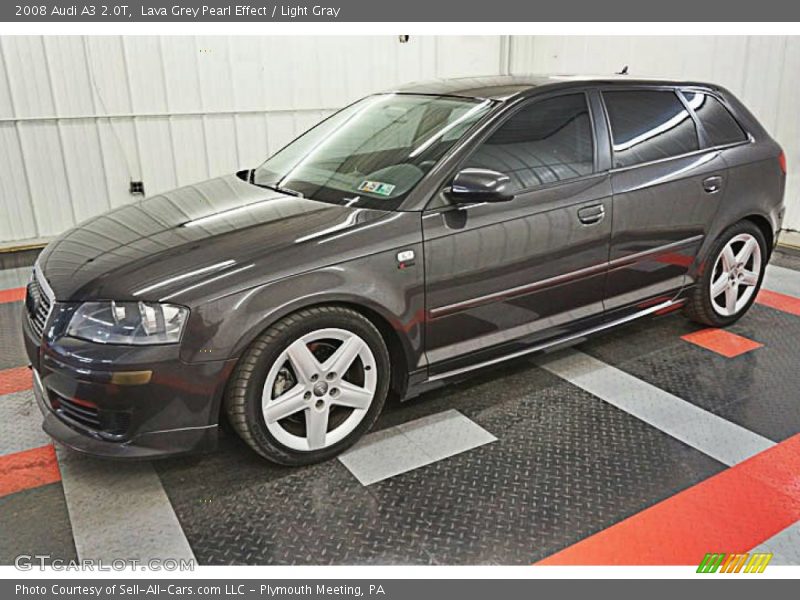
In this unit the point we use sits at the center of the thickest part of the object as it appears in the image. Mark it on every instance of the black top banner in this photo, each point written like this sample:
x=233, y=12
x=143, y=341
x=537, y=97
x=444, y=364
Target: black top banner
x=402, y=11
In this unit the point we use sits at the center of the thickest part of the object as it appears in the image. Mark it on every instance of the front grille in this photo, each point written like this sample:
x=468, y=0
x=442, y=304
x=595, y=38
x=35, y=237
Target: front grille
x=39, y=303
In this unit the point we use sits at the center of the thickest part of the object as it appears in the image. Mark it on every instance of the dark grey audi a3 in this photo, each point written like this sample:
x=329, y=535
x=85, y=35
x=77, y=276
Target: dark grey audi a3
x=408, y=240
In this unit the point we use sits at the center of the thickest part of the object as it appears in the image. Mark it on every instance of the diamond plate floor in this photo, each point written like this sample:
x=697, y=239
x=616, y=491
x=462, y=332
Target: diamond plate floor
x=12, y=350
x=22, y=423
x=564, y=466
x=35, y=522
x=758, y=390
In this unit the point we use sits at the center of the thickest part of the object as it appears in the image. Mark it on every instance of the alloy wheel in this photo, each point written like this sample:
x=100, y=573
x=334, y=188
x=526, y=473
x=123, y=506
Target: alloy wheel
x=319, y=389
x=736, y=274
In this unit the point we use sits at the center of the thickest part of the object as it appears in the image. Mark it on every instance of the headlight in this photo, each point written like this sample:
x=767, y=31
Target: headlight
x=135, y=323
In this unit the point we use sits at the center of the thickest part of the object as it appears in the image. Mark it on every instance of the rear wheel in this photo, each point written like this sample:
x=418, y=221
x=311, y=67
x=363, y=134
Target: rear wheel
x=729, y=287
x=310, y=385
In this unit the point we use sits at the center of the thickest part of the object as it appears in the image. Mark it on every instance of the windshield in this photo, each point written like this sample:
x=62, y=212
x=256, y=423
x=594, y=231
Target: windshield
x=372, y=153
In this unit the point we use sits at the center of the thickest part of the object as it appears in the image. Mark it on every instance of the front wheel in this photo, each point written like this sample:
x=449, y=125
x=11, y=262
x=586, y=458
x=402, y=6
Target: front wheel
x=309, y=386
x=727, y=289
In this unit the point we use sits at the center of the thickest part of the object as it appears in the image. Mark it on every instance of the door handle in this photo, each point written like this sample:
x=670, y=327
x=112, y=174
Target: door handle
x=589, y=215
x=711, y=185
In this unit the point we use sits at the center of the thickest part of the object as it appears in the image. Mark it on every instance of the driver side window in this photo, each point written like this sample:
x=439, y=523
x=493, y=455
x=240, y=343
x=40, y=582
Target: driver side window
x=548, y=141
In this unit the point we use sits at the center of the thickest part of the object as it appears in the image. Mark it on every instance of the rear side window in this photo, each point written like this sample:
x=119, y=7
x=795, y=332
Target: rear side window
x=548, y=141
x=720, y=126
x=649, y=125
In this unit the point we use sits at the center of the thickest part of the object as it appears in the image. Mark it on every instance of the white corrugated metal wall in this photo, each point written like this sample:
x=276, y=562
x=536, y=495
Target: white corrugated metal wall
x=763, y=71
x=80, y=117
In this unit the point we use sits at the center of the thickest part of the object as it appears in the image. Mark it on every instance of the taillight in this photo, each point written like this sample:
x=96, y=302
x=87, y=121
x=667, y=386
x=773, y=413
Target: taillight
x=782, y=162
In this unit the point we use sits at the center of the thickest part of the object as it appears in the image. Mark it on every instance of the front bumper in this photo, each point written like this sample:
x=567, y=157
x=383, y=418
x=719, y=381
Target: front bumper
x=86, y=409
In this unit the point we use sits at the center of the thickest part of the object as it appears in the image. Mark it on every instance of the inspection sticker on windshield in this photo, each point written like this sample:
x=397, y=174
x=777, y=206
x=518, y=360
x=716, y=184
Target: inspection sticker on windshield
x=376, y=187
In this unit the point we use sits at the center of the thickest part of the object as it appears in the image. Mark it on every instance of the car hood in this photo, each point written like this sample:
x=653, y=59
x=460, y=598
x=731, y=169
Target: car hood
x=165, y=246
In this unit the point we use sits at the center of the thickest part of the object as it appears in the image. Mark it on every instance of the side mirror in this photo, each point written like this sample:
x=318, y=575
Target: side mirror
x=481, y=185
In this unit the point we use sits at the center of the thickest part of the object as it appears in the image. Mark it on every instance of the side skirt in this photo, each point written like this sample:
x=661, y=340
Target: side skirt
x=424, y=384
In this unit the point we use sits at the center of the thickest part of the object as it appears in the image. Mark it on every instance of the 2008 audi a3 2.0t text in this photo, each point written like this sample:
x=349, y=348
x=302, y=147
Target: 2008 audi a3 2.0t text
x=408, y=240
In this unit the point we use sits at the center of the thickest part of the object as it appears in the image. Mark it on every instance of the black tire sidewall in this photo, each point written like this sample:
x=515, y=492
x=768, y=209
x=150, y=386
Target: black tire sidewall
x=303, y=323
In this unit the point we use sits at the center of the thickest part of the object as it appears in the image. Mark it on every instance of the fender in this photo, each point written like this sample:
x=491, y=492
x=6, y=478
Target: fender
x=225, y=327
x=754, y=189
x=772, y=219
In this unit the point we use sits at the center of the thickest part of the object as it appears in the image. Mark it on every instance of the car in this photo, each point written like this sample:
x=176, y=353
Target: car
x=410, y=239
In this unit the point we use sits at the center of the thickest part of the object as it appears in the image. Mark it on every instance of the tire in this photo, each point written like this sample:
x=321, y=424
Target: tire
x=285, y=385
x=716, y=310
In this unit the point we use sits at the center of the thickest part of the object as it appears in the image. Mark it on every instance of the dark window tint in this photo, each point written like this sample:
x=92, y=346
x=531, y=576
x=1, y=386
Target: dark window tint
x=548, y=141
x=649, y=125
x=721, y=128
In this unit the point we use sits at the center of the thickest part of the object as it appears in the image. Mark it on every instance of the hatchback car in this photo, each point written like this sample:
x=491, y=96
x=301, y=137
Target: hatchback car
x=408, y=240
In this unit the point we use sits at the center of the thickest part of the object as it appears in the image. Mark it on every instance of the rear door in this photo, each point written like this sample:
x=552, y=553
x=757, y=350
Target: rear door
x=667, y=187
x=505, y=274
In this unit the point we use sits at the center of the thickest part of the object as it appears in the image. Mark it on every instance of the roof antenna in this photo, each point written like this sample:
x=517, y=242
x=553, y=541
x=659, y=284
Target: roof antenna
x=624, y=71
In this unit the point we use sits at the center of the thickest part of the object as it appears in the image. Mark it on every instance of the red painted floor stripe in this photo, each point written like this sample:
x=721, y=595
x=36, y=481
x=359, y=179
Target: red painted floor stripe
x=778, y=301
x=722, y=342
x=733, y=511
x=28, y=469
x=12, y=295
x=15, y=380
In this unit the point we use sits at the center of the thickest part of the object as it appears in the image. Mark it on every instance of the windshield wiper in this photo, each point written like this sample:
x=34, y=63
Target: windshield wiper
x=275, y=187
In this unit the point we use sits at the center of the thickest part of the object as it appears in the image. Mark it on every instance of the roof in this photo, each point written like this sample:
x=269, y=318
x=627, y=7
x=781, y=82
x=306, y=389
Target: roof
x=504, y=87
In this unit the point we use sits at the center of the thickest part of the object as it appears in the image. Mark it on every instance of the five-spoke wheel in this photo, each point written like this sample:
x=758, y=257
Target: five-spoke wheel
x=730, y=280
x=310, y=385
x=737, y=272
x=319, y=389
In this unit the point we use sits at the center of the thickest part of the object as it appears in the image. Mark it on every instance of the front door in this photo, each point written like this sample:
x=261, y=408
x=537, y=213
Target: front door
x=503, y=274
